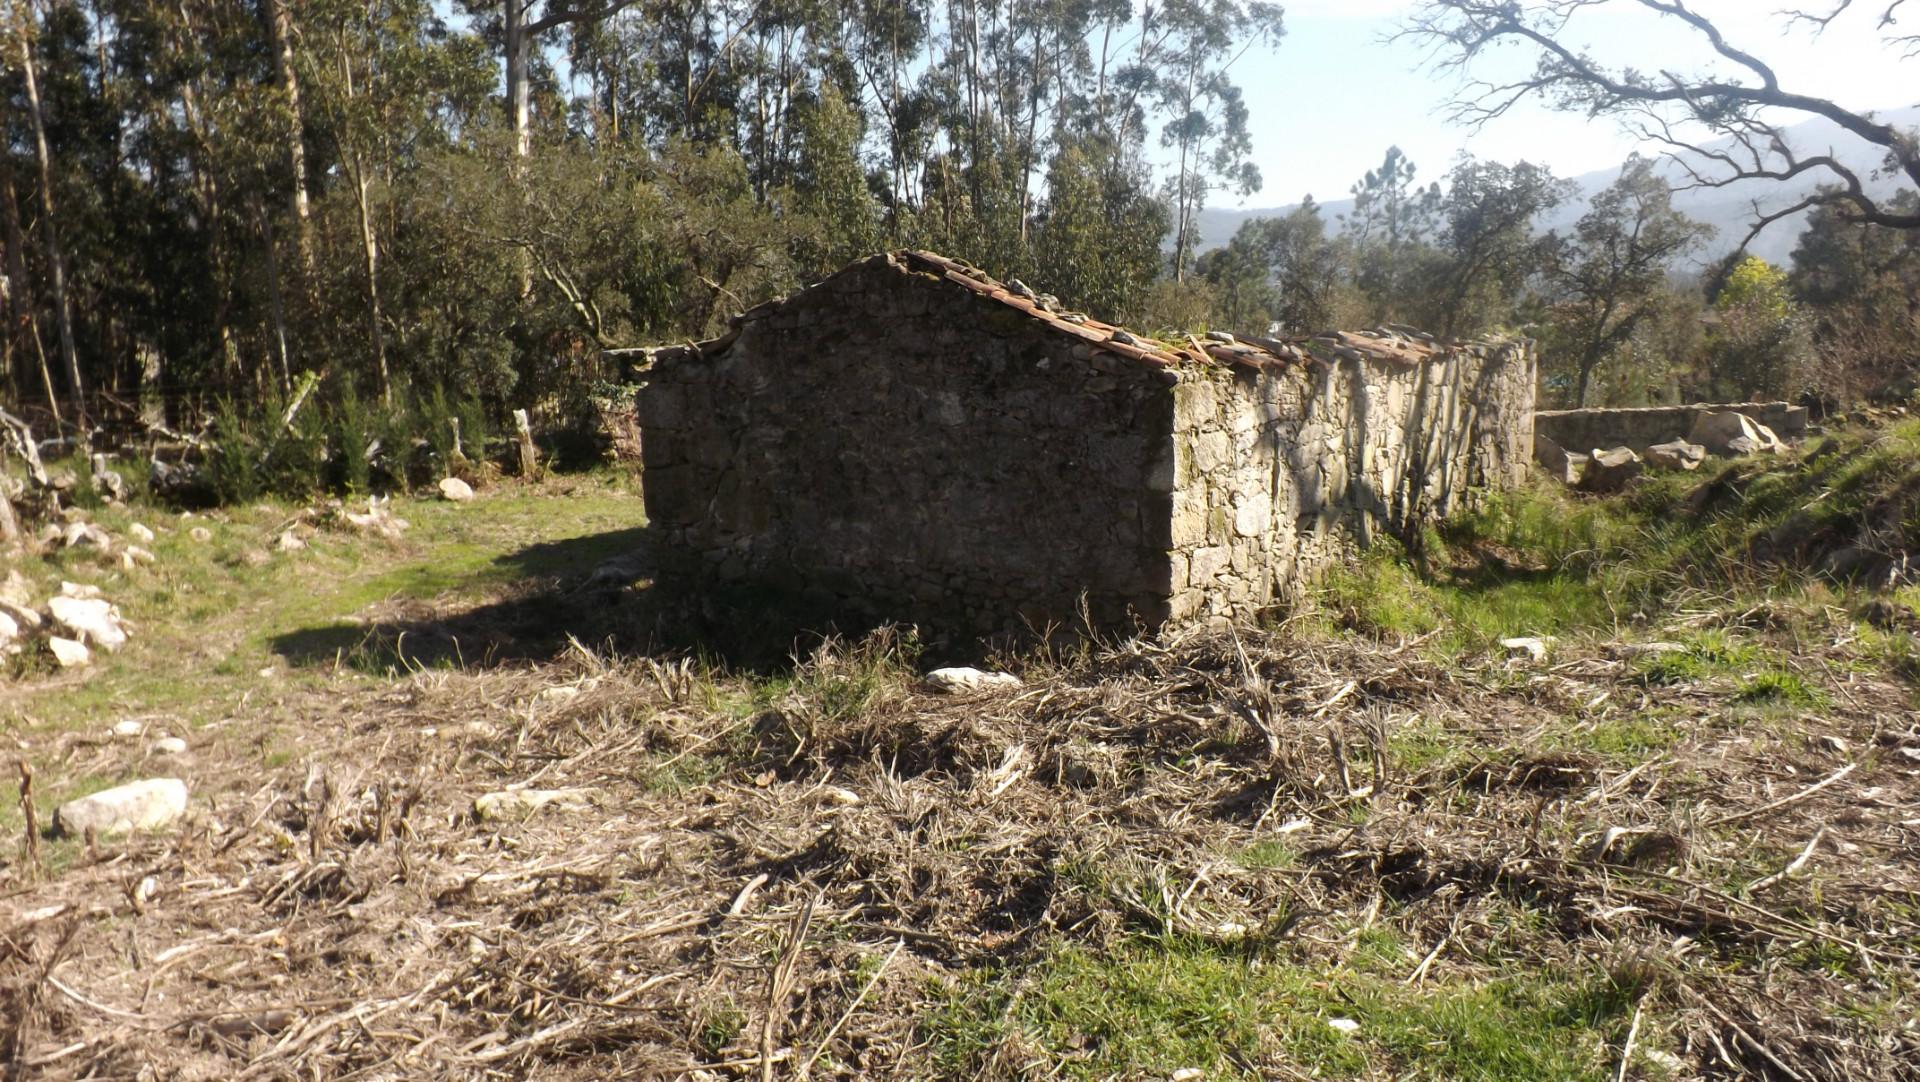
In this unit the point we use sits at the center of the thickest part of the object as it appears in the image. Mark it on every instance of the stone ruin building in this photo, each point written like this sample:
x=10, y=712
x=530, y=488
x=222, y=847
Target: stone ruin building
x=912, y=440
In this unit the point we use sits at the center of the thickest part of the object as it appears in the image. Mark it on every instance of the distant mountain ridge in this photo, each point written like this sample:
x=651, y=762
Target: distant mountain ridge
x=1728, y=210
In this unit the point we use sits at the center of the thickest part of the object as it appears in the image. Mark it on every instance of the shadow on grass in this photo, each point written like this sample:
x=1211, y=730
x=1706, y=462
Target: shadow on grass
x=604, y=591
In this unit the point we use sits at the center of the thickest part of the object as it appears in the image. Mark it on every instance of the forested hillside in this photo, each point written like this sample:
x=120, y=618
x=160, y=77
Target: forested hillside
x=205, y=202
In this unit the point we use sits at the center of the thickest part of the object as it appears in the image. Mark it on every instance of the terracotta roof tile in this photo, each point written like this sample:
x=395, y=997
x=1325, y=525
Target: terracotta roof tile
x=1392, y=344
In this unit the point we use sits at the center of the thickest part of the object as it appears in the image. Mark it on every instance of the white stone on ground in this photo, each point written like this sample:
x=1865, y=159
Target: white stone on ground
x=68, y=653
x=1731, y=433
x=141, y=534
x=91, y=620
x=1529, y=645
x=456, y=490
x=169, y=745
x=147, y=805
x=520, y=803
x=962, y=678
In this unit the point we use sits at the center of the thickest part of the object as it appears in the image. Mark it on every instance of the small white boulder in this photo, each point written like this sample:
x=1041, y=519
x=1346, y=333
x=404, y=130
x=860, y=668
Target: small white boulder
x=67, y=653
x=456, y=490
x=1531, y=646
x=168, y=745
x=962, y=678
x=141, y=533
x=91, y=620
x=147, y=805
x=520, y=803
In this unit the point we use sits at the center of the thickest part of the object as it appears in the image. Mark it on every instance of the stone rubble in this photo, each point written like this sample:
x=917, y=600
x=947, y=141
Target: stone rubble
x=92, y=621
x=520, y=803
x=1610, y=470
x=67, y=653
x=1730, y=433
x=962, y=678
x=1676, y=455
x=144, y=806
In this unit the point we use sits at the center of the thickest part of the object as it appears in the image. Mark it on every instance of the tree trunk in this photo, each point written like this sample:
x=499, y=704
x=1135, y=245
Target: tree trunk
x=22, y=329
x=519, y=50
x=276, y=299
x=56, y=255
x=281, y=22
x=369, y=245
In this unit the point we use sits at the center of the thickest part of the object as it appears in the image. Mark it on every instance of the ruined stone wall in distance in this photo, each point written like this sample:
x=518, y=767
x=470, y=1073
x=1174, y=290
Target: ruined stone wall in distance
x=1641, y=428
x=891, y=446
x=1281, y=472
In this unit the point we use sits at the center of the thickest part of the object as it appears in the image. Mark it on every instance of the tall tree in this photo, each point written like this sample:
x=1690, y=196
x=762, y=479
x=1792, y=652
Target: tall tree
x=1616, y=266
x=1488, y=241
x=23, y=35
x=1205, y=114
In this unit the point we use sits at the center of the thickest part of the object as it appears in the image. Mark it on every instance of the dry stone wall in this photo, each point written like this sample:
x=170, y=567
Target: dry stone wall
x=1281, y=472
x=889, y=445
x=910, y=440
x=1584, y=430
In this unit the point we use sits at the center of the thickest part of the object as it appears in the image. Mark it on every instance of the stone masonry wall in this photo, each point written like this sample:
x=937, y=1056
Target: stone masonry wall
x=1583, y=430
x=1280, y=472
x=891, y=445
x=912, y=441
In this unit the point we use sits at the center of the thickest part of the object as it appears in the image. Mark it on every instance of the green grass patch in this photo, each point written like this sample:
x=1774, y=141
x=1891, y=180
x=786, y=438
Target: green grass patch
x=1778, y=687
x=1152, y=1007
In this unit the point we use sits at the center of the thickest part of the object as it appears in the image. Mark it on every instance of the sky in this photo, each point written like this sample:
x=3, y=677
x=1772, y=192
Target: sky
x=1328, y=101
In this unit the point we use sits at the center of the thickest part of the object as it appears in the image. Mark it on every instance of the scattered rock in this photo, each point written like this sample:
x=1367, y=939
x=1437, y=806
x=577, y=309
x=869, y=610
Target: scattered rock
x=1609, y=471
x=137, y=554
x=50, y=534
x=1676, y=455
x=834, y=794
x=129, y=728
x=200, y=534
x=67, y=653
x=91, y=620
x=168, y=745
x=289, y=542
x=24, y=618
x=147, y=805
x=87, y=534
x=82, y=590
x=520, y=803
x=107, y=482
x=141, y=534
x=1531, y=646
x=16, y=589
x=1343, y=1025
x=378, y=520
x=1566, y=466
x=9, y=628
x=967, y=679
x=554, y=696
x=456, y=490
x=1730, y=433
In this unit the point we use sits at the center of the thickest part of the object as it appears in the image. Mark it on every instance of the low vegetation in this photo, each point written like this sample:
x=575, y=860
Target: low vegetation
x=1365, y=842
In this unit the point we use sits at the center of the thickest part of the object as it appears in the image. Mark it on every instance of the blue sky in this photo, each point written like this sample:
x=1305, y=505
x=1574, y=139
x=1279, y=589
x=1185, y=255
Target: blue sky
x=1334, y=95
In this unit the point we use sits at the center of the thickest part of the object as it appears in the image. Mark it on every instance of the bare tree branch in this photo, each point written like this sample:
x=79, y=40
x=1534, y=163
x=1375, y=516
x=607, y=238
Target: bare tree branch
x=1461, y=32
